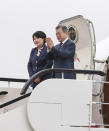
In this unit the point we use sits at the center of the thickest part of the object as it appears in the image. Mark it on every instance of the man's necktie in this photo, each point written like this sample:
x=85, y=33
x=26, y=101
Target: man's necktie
x=60, y=44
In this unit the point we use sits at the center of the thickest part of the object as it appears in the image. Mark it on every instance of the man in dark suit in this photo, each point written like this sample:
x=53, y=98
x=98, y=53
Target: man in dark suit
x=63, y=53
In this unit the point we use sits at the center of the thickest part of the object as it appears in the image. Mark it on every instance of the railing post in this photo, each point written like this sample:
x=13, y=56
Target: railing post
x=62, y=75
x=9, y=84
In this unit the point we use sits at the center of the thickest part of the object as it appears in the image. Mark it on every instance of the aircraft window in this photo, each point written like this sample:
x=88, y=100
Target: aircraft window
x=73, y=35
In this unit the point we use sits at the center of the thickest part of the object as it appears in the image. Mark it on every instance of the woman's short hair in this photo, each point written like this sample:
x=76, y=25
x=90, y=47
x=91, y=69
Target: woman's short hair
x=39, y=34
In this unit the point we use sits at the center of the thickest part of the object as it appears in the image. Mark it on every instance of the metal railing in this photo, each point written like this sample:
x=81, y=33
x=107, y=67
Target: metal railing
x=15, y=100
x=13, y=79
x=43, y=72
x=9, y=80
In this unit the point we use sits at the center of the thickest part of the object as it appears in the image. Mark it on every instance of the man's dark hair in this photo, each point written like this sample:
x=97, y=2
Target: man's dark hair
x=39, y=34
x=64, y=28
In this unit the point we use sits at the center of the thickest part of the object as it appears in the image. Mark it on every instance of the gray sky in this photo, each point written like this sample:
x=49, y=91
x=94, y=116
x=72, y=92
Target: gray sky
x=20, y=18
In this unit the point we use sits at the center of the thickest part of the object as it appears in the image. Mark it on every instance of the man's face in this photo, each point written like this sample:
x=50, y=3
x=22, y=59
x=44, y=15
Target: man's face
x=61, y=36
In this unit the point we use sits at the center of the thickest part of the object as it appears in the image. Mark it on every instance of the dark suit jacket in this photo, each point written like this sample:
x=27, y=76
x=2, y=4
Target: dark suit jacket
x=63, y=58
x=41, y=64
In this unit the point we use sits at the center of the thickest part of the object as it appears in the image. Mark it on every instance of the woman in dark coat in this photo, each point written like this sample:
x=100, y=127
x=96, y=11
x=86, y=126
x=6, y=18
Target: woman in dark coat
x=38, y=60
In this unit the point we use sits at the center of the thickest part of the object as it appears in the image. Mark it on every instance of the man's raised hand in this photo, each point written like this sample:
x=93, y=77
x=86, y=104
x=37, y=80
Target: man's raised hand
x=49, y=43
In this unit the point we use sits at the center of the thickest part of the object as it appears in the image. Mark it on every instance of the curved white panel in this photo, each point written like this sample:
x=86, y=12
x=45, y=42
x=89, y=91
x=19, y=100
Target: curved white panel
x=59, y=102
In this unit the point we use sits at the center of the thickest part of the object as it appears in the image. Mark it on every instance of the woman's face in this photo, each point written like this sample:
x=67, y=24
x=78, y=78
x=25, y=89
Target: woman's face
x=38, y=42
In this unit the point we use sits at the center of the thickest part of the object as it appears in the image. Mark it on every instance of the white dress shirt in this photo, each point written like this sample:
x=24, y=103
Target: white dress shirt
x=64, y=41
